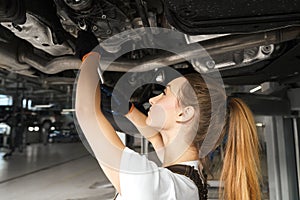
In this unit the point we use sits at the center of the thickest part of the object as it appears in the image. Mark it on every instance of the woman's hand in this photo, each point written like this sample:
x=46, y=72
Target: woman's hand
x=113, y=101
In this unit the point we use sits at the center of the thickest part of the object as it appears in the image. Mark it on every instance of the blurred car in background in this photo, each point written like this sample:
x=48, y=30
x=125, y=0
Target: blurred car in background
x=49, y=126
x=63, y=134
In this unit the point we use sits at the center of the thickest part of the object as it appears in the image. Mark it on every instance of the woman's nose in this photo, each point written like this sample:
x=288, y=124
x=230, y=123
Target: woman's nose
x=153, y=100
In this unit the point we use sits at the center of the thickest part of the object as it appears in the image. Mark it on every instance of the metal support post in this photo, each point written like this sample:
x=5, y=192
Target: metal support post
x=144, y=146
x=296, y=138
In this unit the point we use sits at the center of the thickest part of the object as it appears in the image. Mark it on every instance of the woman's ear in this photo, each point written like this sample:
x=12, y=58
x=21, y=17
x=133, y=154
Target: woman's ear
x=186, y=114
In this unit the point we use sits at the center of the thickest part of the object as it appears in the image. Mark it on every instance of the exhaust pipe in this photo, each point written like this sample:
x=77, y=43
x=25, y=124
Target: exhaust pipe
x=214, y=47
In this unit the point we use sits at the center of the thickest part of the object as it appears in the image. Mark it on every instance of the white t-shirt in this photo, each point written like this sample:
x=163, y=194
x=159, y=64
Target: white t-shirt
x=142, y=179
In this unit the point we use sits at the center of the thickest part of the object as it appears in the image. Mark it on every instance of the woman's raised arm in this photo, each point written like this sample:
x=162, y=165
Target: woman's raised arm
x=101, y=136
x=139, y=120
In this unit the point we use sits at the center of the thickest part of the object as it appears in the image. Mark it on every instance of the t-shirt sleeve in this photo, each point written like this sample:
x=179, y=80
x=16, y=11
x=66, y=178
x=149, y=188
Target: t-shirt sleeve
x=141, y=178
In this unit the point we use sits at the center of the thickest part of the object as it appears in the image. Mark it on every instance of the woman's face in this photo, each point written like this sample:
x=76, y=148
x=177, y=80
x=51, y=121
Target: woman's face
x=165, y=107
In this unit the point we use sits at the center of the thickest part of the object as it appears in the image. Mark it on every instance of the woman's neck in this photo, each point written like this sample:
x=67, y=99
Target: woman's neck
x=189, y=155
x=176, y=147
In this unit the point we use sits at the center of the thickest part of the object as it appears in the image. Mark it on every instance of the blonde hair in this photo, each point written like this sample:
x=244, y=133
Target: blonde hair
x=241, y=169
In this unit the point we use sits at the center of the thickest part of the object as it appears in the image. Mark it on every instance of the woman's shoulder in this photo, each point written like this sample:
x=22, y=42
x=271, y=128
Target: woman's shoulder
x=141, y=177
x=161, y=184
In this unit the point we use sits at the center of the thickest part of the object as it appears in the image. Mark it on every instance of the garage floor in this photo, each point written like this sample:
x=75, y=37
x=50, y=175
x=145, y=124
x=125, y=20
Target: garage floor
x=55, y=171
x=58, y=171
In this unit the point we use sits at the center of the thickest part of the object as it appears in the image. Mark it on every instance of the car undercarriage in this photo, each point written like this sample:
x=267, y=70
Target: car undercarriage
x=248, y=42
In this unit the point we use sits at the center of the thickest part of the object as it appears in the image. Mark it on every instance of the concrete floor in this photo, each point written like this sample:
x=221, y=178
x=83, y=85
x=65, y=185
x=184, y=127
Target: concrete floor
x=56, y=172
x=59, y=171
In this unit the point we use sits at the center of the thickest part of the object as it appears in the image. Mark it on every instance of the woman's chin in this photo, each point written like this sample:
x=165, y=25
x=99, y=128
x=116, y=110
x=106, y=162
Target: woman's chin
x=148, y=121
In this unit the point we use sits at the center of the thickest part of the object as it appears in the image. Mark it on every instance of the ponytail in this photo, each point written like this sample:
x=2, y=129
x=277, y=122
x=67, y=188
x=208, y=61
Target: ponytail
x=241, y=168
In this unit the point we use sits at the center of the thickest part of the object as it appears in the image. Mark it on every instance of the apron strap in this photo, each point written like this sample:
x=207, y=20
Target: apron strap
x=194, y=175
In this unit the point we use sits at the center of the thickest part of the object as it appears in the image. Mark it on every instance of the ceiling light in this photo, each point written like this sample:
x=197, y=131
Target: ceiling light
x=255, y=89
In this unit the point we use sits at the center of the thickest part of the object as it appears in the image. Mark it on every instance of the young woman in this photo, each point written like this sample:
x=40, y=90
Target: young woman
x=177, y=124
